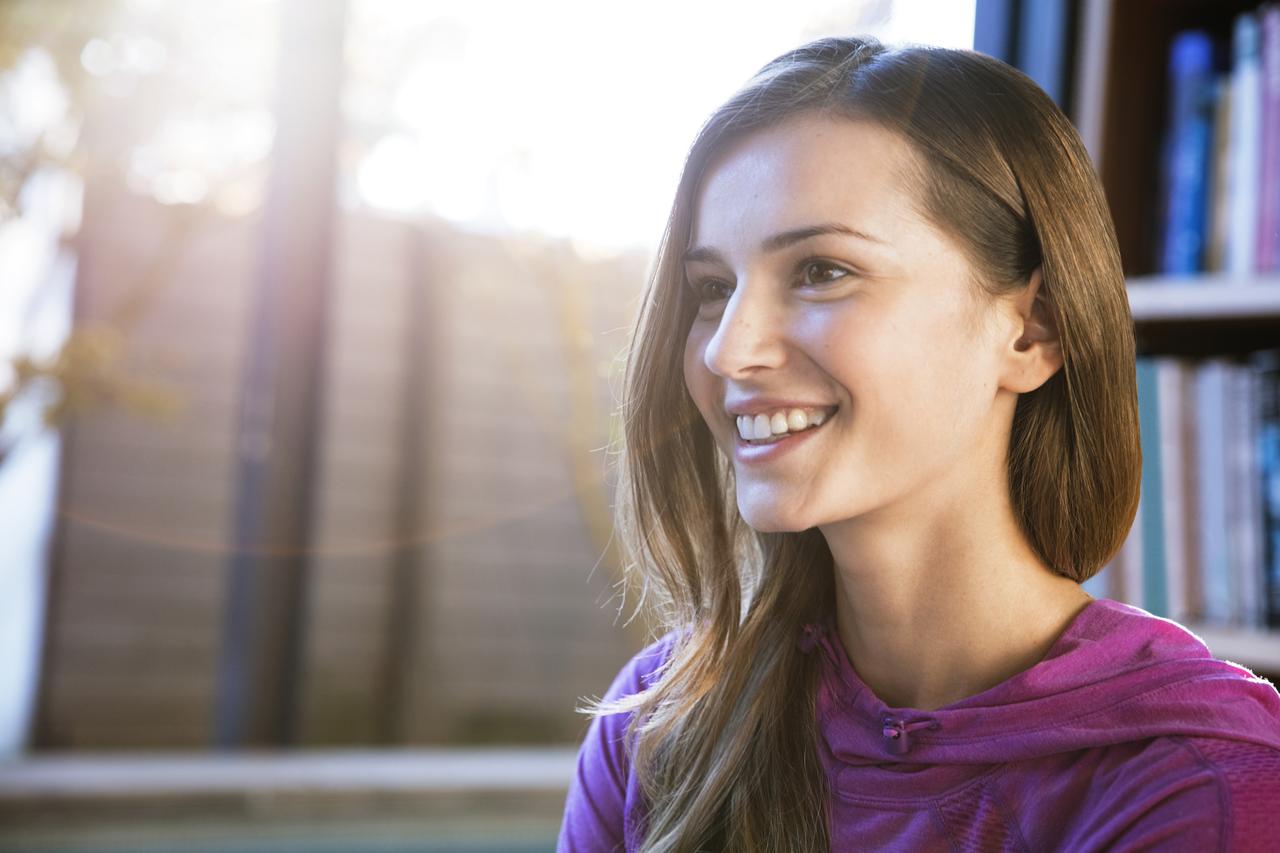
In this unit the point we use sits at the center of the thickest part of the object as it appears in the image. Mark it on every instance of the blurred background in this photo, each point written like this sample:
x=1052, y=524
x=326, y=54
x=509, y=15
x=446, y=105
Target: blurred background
x=312, y=324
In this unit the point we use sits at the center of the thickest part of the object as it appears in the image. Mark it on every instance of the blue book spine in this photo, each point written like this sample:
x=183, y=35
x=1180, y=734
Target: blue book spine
x=1154, y=585
x=1187, y=150
x=1043, y=46
x=1267, y=363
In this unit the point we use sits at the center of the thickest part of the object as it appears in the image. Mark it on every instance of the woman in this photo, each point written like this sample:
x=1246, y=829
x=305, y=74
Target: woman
x=901, y=431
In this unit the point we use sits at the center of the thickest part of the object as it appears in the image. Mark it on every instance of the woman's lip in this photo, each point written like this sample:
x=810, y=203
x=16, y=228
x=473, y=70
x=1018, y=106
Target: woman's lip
x=745, y=452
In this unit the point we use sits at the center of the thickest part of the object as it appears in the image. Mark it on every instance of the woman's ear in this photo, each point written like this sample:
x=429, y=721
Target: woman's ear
x=1035, y=350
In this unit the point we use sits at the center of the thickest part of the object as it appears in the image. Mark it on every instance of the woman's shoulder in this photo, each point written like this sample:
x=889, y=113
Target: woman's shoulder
x=1191, y=792
x=598, y=798
x=638, y=673
x=1246, y=774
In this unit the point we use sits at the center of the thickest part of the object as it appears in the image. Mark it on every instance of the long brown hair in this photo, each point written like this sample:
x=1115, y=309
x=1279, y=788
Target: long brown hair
x=724, y=744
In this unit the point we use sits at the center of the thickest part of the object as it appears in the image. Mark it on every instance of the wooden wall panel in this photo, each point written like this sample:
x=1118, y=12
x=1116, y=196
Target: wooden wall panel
x=513, y=614
x=357, y=494
x=136, y=598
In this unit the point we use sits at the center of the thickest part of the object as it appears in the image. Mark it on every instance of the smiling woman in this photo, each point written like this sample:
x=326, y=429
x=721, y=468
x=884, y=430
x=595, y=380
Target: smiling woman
x=900, y=432
x=783, y=341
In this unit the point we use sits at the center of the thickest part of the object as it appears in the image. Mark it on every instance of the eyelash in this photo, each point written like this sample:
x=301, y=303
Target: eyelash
x=697, y=286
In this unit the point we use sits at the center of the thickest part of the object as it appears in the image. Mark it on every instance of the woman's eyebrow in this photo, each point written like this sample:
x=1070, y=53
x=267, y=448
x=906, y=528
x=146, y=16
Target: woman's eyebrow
x=787, y=238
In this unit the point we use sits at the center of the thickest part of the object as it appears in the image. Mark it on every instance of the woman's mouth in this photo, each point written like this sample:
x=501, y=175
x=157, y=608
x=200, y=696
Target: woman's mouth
x=799, y=426
x=765, y=428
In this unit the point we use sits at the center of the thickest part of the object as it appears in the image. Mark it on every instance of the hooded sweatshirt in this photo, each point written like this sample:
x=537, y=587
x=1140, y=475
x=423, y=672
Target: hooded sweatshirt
x=1127, y=735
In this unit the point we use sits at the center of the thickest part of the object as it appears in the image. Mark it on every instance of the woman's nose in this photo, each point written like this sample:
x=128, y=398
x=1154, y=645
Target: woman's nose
x=749, y=336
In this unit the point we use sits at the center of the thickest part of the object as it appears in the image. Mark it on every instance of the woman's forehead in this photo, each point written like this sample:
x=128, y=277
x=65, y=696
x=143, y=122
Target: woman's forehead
x=806, y=171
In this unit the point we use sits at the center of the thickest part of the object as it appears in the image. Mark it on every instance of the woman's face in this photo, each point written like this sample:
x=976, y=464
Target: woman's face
x=879, y=333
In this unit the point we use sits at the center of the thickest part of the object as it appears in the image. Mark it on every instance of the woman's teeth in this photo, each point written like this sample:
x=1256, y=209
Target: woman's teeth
x=758, y=427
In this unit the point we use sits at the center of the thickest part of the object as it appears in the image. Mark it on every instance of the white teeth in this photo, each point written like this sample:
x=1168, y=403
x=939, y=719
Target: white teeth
x=763, y=426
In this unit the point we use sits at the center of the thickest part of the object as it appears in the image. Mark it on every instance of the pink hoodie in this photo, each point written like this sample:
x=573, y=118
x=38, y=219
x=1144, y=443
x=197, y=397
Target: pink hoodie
x=1127, y=735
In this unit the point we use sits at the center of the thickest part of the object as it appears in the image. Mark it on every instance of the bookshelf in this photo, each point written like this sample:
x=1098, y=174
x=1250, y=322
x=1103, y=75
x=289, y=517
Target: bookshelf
x=1205, y=315
x=1258, y=650
x=1119, y=96
x=1211, y=297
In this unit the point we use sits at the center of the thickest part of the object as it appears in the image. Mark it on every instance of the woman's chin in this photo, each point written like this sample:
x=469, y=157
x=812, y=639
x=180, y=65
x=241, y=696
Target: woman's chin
x=768, y=517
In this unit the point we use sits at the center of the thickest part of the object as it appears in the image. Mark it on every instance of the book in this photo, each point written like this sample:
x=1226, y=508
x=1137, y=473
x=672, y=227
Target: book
x=1243, y=505
x=1043, y=50
x=1268, y=232
x=1245, y=146
x=1154, y=592
x=1173, y=453
x=1190, y=539
x=1266, y=364
x=1218, y=190
x=1187, y=152
x=1210, y=460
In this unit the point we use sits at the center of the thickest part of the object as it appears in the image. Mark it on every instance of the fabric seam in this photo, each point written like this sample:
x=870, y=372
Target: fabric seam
x=1224, y=790
x=943, y=740
x=997, y=797
x=935, y=812
x=893, y=802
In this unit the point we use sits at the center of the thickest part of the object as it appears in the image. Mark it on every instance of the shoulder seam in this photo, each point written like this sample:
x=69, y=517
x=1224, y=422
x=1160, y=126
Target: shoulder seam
x=1224, y=790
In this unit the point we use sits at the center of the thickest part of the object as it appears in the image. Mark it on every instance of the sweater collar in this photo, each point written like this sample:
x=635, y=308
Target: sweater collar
x=1117, y=673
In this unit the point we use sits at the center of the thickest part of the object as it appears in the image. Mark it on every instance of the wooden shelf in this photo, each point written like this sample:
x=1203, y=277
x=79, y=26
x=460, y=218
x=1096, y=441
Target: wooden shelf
x=1209, y=296
x=1120, y=103
x=1259, y=650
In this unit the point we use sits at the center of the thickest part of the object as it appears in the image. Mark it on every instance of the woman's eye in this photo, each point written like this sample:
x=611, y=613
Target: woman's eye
x=710, y=290
x=822, y=278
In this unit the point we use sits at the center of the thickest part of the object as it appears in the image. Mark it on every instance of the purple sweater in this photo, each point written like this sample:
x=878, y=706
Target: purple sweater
x=1127, y=735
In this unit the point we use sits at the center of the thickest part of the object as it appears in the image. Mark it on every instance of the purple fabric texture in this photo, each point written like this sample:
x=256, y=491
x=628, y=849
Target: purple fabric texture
x=1127, y=735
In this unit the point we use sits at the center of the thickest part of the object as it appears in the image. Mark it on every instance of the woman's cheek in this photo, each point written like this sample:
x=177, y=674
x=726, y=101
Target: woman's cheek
x=839, y=342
